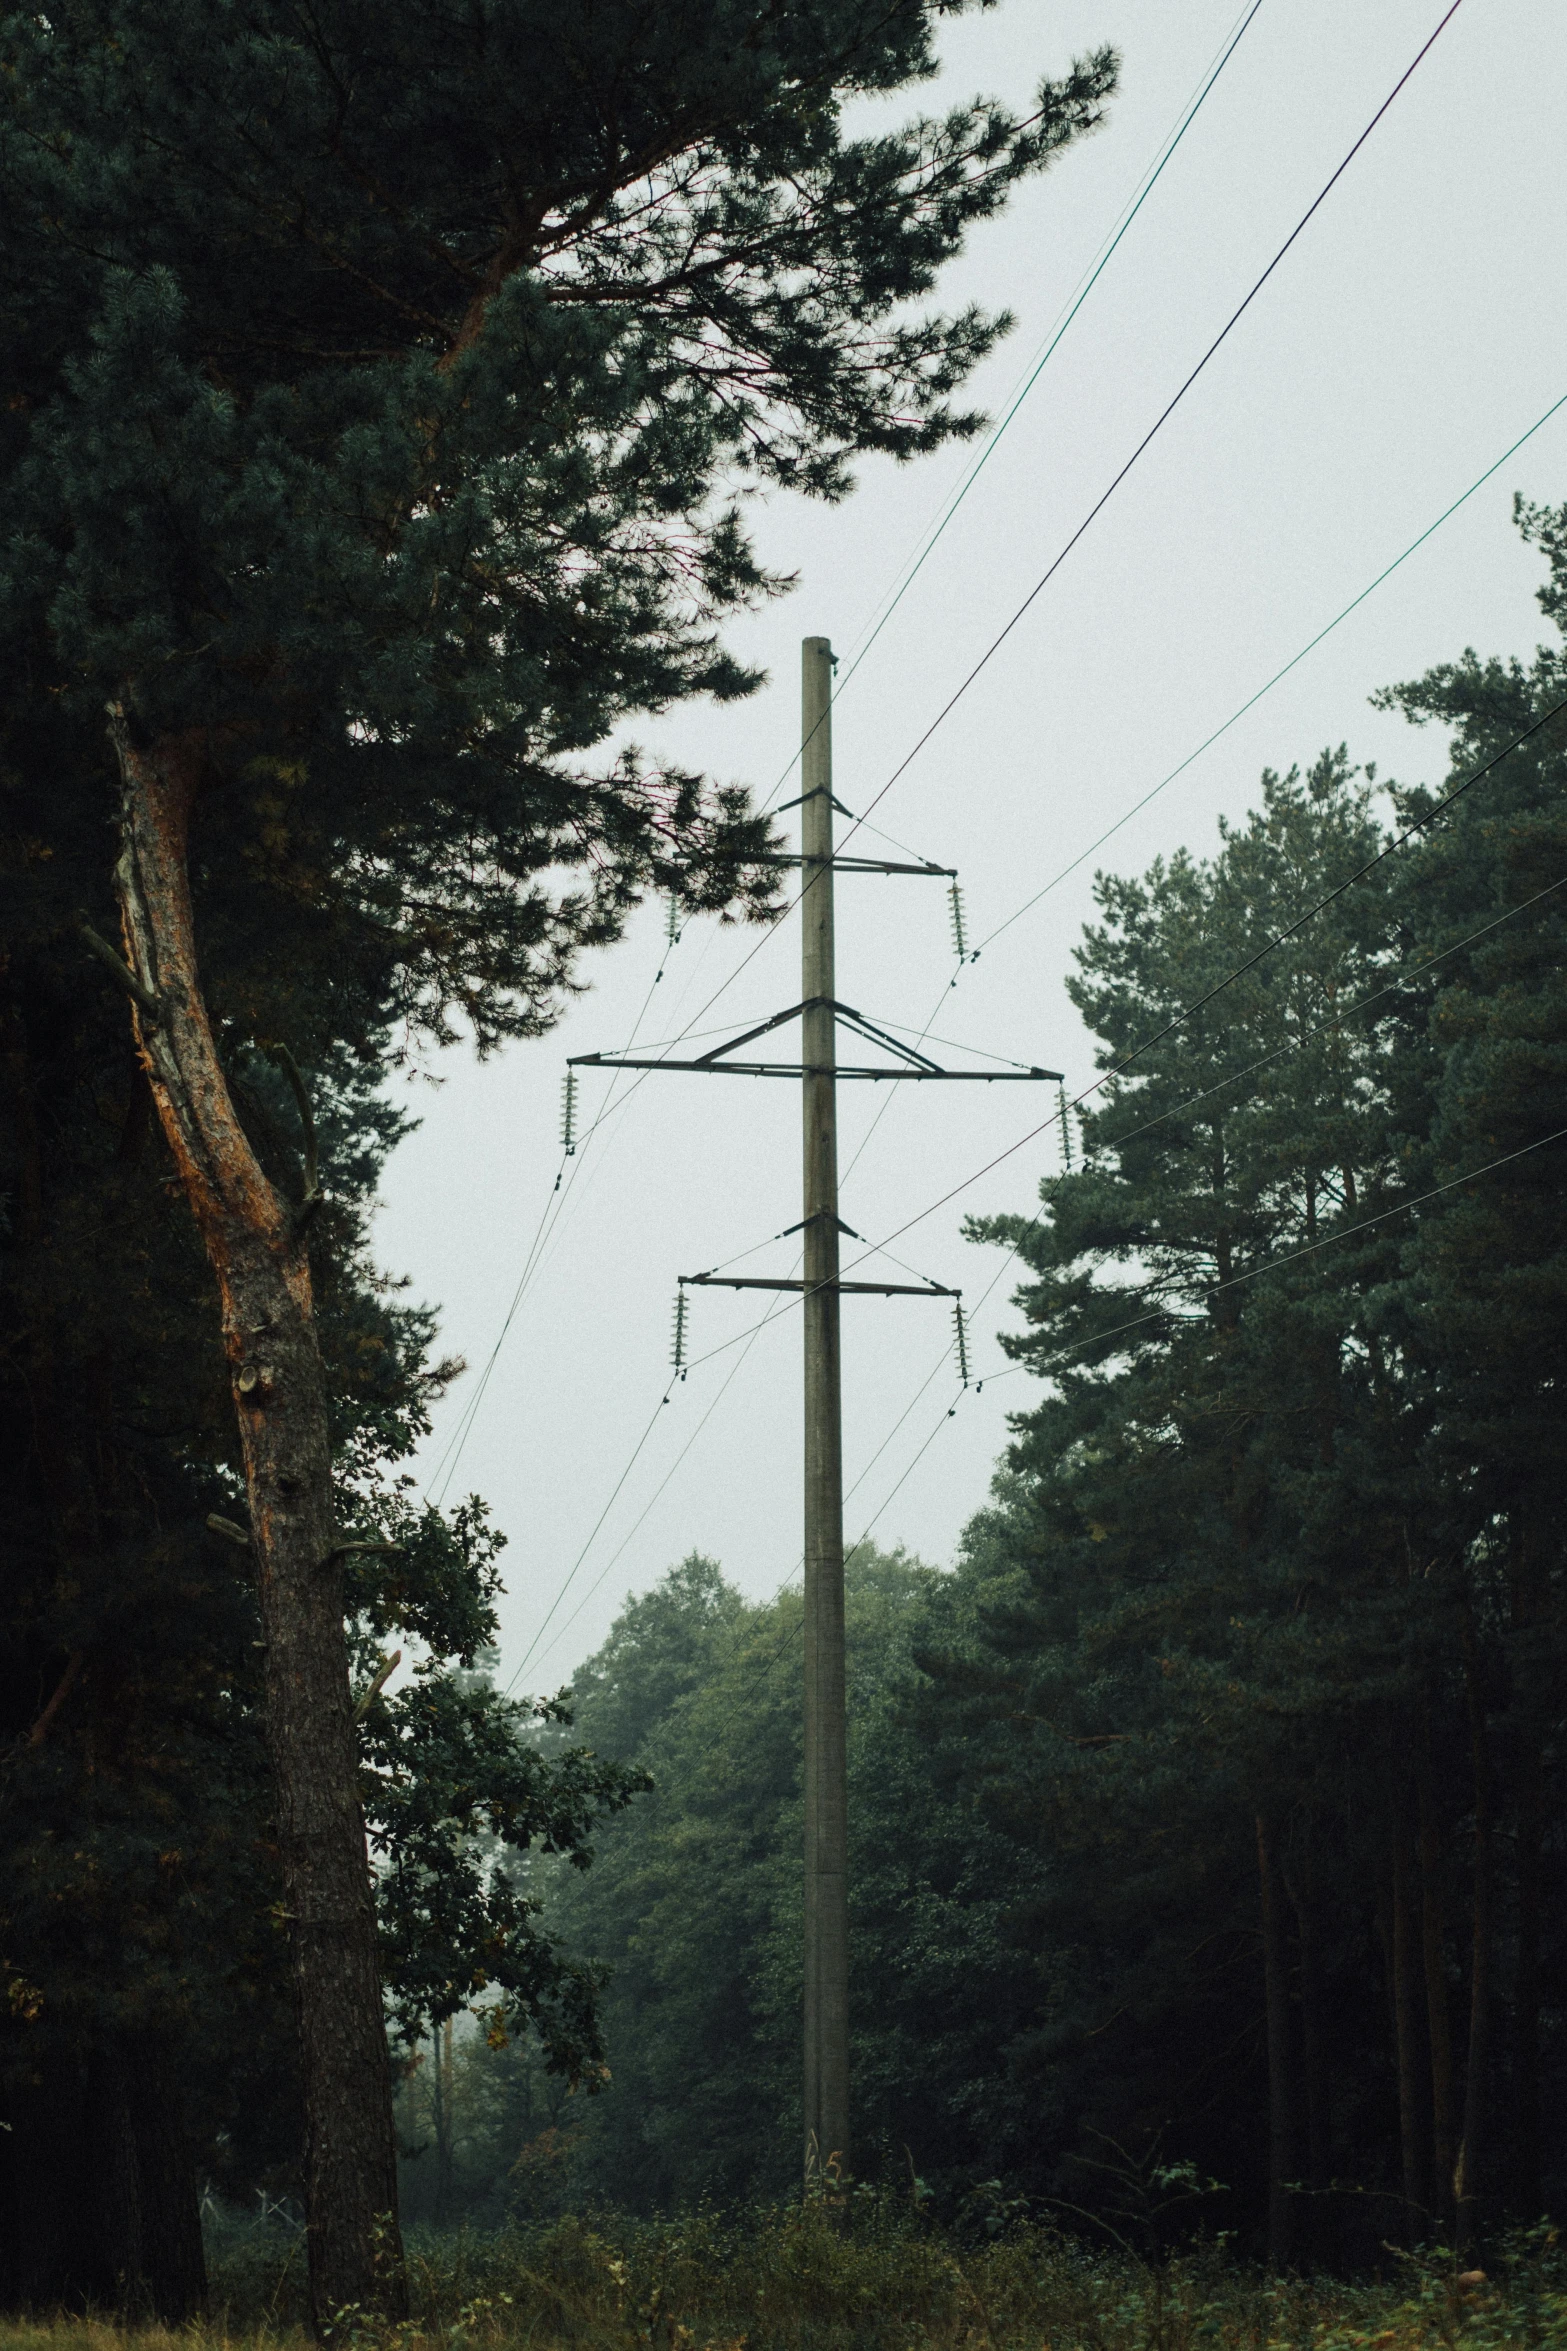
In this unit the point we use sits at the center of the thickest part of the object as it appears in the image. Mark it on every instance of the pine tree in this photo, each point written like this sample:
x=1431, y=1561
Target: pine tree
x=145, y=2037
x=372, y=379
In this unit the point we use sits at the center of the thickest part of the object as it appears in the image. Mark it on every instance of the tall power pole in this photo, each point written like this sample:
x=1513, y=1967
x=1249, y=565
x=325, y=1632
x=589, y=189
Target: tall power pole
x=821, y=1015
x=826, y=1731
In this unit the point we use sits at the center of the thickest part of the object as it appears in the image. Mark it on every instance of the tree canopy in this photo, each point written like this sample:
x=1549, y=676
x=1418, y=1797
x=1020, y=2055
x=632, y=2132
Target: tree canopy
x=1208, y=1816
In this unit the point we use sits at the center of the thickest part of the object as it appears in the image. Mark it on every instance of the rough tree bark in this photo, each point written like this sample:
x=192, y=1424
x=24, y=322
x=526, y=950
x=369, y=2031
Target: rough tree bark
x=1468, y=2180
x=1412, y=2134
x=1320, y=2232
x=256, y=1245
x=1526, y=2186
x=1439, y=2024
x=1281, y=2083
x=1530, y=1600
x=98, y=2198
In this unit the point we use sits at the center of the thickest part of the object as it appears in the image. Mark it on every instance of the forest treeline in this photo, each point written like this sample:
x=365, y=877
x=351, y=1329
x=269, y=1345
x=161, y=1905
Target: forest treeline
x=1208, y=1817
x=377, y=420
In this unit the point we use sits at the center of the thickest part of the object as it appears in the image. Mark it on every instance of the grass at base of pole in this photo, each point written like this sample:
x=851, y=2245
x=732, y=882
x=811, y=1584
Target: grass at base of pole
x=814, y=2278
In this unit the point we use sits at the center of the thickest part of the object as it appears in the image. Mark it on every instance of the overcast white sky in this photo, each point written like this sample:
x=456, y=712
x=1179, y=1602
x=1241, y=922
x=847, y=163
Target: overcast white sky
x=1414, y=332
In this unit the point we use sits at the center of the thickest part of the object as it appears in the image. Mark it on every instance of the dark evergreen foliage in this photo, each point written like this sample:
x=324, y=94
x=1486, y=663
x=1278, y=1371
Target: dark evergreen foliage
x=379, y=389
x=380, y=383
x=1209, y=1819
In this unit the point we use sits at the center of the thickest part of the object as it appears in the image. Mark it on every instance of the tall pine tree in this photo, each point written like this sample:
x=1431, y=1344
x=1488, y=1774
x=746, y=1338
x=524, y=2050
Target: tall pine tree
x=372, y=378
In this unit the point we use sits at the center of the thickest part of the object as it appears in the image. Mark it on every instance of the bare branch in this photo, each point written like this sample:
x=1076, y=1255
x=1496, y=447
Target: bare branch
x=291, y=1070
x=97, y=945
x=40, y=1730
x=389, y=1665
x=348, y=1550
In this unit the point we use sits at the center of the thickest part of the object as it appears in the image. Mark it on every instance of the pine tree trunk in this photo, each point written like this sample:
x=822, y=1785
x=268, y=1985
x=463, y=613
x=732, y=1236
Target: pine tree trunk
x=258, y=1255
x=1469, y=2179
x=1411, y=2056
x=441, y=2082
x=151, y=2217
x=1281, y=2088
x=1533, y=1527
x=98, y=2199
x=1526, y=2053
x=1314, y=2065
x=1439, y=2023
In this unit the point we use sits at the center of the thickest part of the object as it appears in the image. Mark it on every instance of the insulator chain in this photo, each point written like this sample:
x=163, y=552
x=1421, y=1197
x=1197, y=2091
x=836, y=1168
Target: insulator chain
x=1066, y=1130
x=959, y=935
x=568, y=1114
x=673, y=925
x=677, y=1351
x=960, y=1340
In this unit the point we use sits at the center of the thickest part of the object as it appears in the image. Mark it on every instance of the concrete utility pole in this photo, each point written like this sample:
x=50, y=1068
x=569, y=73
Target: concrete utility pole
x=821, y=1015
x=826, y=1735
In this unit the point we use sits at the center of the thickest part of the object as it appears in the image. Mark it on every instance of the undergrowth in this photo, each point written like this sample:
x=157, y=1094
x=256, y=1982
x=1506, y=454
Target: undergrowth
x=861, y=2275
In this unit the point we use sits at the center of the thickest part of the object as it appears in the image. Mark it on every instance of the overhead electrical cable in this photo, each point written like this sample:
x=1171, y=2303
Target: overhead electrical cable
x=1269, y=945
x=636, y=1452
x=562, y=1629
x=1129, y=213
x=1103, y=501
x=794, y=1631
x=1293, y=1256
x=1188, y=1011
x=1157, y=1314
x=1106, y=495
x=1188, y=1102
x=556, y=1201
x=1163, y=417
x=886, y=1103
x=1293, y=1045
x=1277, y=678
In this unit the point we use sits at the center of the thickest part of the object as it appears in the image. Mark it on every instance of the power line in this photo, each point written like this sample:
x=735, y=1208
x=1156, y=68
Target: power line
x=562, y=1629
x=636, y=1451
x=755, y=1329
x=1307, y=1249
x=1107, y=495
x=1278, y=939
x=795, y=1630
x=1278, y=676
x=1294, y=1044
x=1158, y=1314
x=461, y=1433
x=1036, y=370
x=1234, y=1078
x=1036, y=367
x=1011, y=411
x=555, y=1206
x=1235, y=716
x=1178, y=1019
x=1104, y=499
x=1164, y=416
